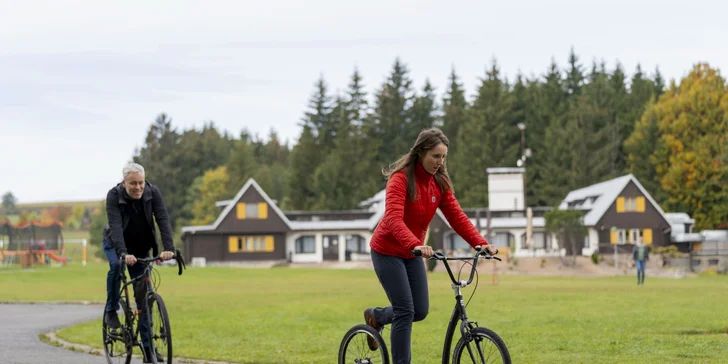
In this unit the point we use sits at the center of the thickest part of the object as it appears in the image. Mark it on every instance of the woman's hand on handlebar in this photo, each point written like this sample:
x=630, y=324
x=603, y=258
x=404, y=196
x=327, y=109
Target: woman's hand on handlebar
x=426, y=250
x=491, y=249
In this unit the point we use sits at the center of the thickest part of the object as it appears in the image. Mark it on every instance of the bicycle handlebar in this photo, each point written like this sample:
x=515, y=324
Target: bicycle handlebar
x=177, y=256
x=479, y=252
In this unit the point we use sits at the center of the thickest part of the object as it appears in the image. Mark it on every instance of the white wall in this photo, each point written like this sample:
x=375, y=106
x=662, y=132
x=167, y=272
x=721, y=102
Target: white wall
x=318, y=255
x=593, y=236
x=505, y=192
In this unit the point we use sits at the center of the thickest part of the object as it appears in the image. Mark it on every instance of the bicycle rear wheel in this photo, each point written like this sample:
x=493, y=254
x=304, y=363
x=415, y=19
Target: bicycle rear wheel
x=485, y=347
x=117, y=342
x=354, y=348
x=161, y=333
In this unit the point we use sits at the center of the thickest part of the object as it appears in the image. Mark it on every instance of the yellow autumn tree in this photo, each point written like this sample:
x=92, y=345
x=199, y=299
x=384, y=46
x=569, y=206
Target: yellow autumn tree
x=680, y=145
x=205, y=191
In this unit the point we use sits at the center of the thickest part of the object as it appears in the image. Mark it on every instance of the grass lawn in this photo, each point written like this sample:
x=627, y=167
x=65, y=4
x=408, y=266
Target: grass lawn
x=285, y=315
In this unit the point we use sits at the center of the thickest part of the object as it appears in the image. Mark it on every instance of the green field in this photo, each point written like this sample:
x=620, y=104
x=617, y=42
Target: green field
x=284, y=315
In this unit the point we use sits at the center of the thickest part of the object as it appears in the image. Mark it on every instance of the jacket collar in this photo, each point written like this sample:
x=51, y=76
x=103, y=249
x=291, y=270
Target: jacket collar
x=421, y=173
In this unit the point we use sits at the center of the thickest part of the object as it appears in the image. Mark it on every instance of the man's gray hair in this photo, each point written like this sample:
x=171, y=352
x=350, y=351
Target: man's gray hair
x=132, y=168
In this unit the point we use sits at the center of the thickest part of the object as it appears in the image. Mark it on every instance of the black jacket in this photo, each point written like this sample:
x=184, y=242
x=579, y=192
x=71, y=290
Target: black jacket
x=118, y=210
x=647, y=252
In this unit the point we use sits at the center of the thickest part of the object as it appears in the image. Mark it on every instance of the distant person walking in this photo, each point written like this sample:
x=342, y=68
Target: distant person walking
x=641, y=254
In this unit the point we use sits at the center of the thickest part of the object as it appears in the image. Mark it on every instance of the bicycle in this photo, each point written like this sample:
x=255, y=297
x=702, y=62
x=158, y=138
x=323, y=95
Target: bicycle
x=471, y=333
x=119, y=343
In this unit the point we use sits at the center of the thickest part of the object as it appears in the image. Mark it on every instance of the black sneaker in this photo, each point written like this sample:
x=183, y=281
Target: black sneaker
x=112, y=319
x=148, y=356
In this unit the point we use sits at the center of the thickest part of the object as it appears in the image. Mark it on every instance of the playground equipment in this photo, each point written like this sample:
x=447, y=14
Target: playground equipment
x=31, y=243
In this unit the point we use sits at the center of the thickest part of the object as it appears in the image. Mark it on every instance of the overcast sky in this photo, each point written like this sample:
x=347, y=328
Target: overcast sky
x=81, y=81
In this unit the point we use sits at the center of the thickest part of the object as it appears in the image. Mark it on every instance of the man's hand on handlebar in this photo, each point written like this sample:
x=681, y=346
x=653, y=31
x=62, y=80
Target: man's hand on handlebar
x=426, y=250
x=491, y=249
x=166, y=255
x=130, y=259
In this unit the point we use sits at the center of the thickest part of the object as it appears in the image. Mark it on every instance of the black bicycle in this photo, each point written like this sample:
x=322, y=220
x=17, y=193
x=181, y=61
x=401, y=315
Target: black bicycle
x=119, y=343
x=477, y=344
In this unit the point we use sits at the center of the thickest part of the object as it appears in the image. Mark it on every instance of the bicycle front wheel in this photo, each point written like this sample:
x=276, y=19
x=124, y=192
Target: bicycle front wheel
x=355, y=348
x=161, y=333
x=118, y=342
x=485, y=347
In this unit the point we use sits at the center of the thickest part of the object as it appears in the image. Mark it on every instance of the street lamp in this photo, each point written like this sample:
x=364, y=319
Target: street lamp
x=521, y=162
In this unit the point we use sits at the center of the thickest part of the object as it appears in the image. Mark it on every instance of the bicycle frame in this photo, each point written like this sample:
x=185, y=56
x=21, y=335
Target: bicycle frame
x=130, y=314
x=459, y=313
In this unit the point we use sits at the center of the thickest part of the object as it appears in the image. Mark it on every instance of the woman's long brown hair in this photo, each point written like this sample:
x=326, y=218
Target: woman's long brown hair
x=427, y=140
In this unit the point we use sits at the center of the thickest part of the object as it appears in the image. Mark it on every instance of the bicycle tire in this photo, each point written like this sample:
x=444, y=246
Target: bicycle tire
x=366, y=329
x=160, y=329
x=124, y=330
x=488, y=334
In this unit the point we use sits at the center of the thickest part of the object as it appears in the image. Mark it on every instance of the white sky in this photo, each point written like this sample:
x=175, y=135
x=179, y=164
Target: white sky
x=81, y=81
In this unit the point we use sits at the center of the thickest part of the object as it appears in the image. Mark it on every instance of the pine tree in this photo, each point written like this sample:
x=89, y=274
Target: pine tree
x=423, y=112
x=305, y=159
x=455, y=109
x=574, y=76
x=552, y=106
x=485, y=137
x=391, y=117
x=241, y=164
x=161, y=165
x=659, y=84
x=621, y=124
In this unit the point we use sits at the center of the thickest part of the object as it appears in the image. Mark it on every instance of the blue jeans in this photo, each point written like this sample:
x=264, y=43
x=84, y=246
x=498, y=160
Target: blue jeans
x=405, y=282
x=113, y=286
x=640, y=271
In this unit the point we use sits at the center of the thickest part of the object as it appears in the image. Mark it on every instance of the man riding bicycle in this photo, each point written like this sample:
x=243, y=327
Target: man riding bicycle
x=130, y=206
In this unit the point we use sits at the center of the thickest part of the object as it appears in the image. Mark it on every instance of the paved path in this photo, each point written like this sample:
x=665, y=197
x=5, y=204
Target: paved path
x=22, y=323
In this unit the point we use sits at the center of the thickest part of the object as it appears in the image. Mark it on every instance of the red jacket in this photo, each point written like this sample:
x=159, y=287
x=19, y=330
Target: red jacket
x=404, y=224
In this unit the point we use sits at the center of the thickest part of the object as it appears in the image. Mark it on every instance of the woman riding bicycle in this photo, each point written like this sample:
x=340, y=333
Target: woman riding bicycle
x=418, y=184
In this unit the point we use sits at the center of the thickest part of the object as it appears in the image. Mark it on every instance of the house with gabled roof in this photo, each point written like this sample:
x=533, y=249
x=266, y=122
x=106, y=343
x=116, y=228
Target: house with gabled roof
x=617, y=213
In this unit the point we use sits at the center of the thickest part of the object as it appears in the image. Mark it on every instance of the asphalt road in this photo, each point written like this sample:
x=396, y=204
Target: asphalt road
x=20, y=325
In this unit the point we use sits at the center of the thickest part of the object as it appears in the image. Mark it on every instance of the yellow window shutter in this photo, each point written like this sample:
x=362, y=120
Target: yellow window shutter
x=233, y=244
x=647, y=236
x=620, y=204
x=641, y=204
x=262, y=210
x=269, y=246
x=241, y=210
x=614, y=237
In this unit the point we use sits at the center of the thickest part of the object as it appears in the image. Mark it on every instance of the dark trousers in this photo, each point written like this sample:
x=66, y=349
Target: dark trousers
x=405, y=283
x=113, y=285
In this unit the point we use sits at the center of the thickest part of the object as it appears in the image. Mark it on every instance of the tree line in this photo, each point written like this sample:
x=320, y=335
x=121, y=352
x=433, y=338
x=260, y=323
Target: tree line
x=585, y=123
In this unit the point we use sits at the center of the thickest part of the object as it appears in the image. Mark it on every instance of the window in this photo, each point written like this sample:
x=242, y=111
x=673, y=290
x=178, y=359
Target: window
x=634, y=236
x=355, y=244
x=503, y=240
x=252, y=210
x=631, y=204
x=306, y=244
x=712, y=261
x=251, y=244
x=539, y=240
x=622, y=236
